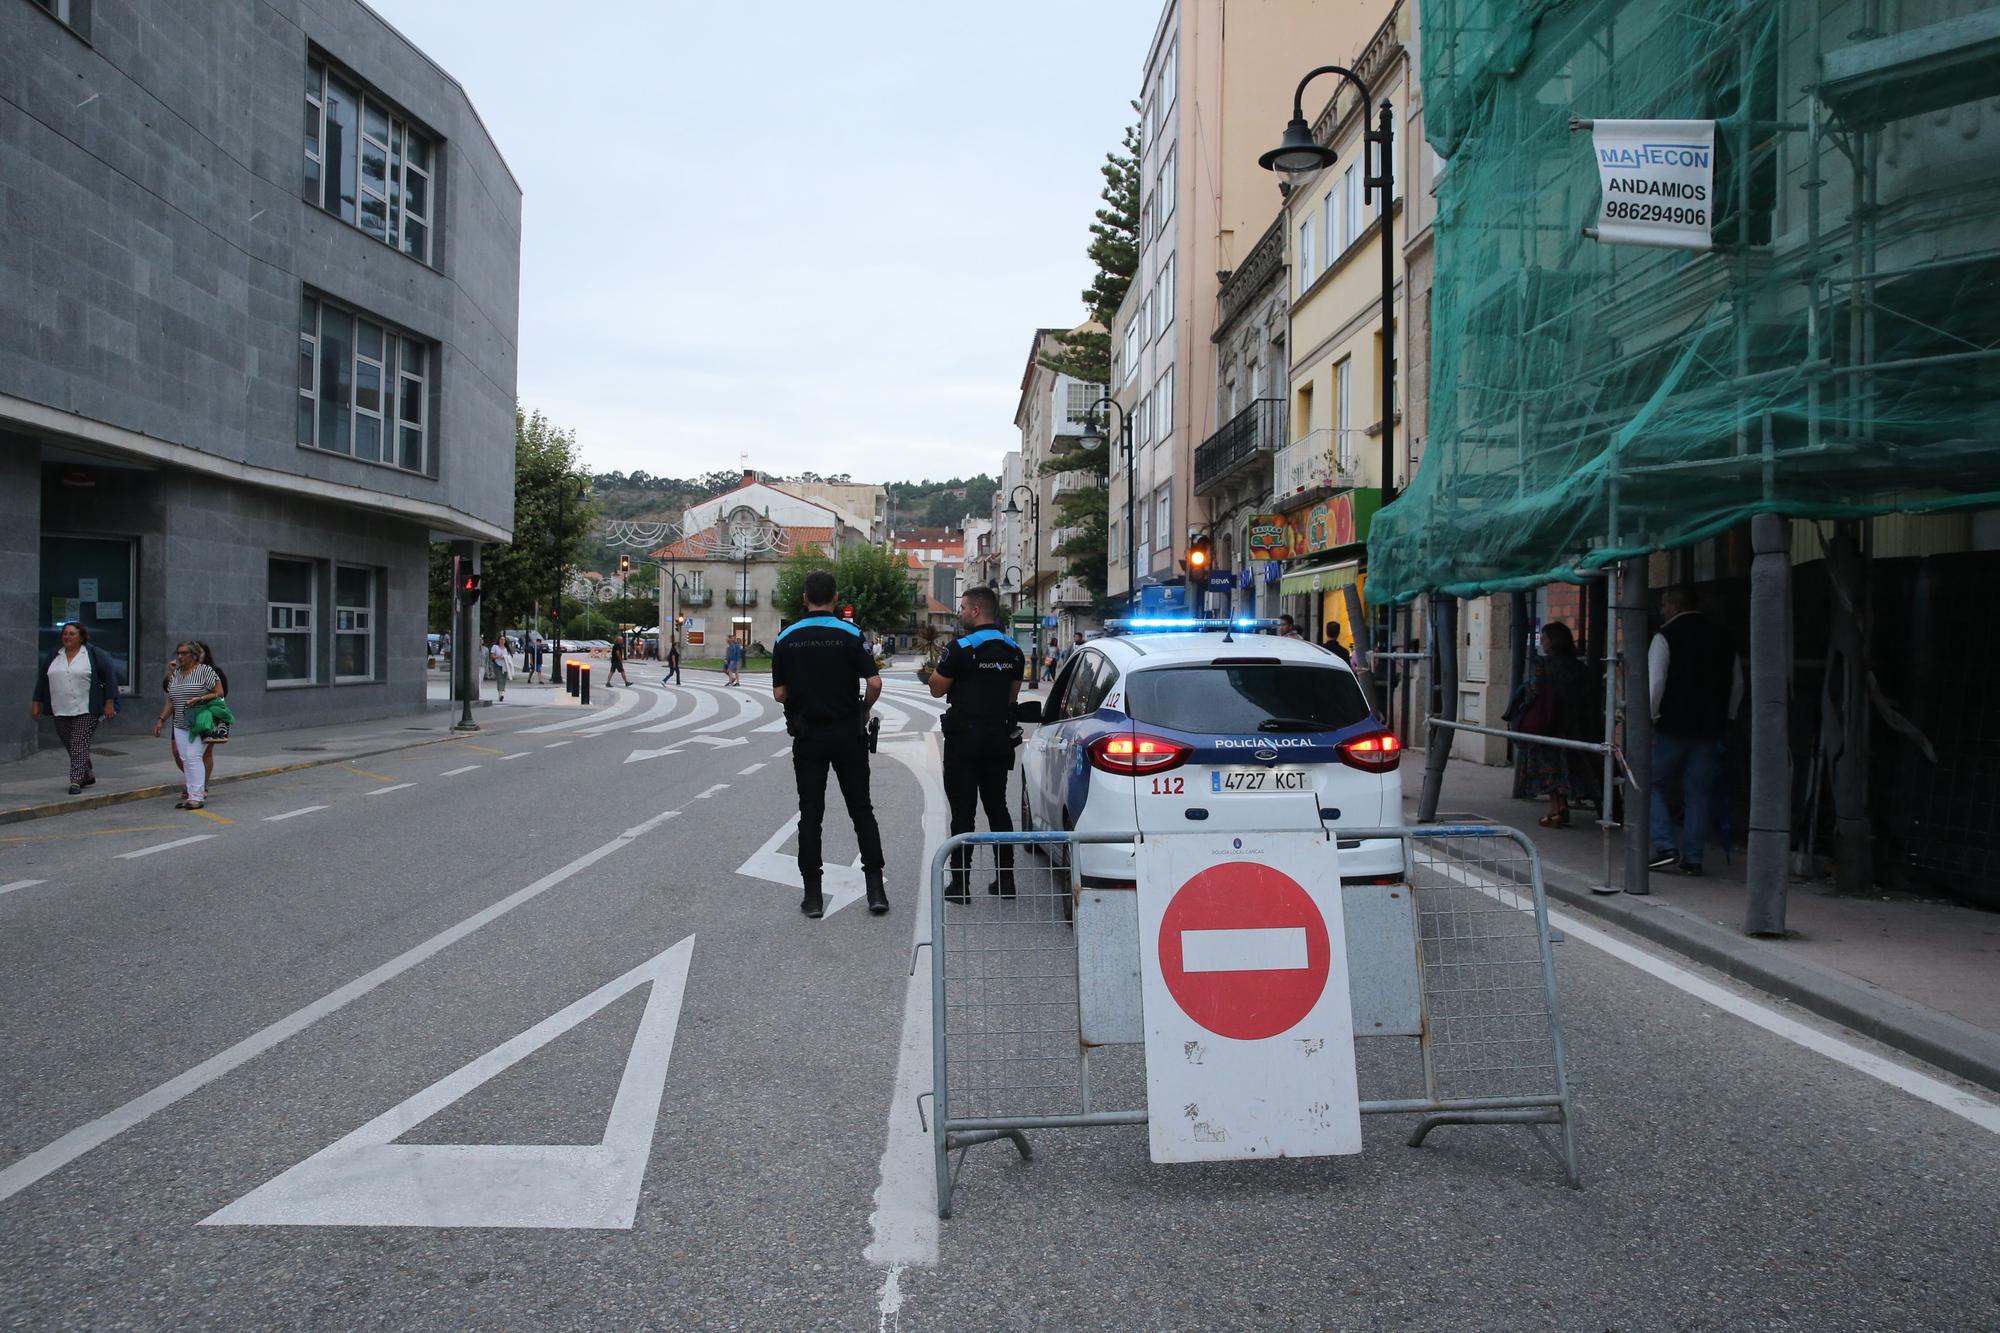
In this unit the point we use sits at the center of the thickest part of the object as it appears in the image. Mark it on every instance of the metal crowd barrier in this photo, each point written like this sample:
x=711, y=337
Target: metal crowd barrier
x=1035, y=996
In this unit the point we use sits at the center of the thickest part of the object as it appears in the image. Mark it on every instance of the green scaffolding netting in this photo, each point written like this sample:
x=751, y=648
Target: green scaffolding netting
x=1833, y=357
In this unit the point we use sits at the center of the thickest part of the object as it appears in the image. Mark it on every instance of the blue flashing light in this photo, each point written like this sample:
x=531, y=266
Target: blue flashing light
x=1182, y=625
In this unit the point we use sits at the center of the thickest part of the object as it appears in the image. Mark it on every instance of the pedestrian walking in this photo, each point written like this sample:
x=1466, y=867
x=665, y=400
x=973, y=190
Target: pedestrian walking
x=732, y=661
x=77, y=688
x=826, y=680
x=1697, y=688
x=617, y=667
x=502, y=664
x=1331, y=642
x=190, y=680
x=1288, y=628
x=1076, y=642
x=673, y=663
x=1556, y=702
x=980, y=676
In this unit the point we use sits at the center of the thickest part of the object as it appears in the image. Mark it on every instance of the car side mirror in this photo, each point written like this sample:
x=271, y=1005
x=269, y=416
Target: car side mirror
x=1031, y=710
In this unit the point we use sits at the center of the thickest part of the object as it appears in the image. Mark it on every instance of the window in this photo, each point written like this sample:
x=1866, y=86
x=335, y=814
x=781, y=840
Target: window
x=1343, y=407
x=367, y=164
x=288, y=647
x=1163, y=194
x=1146, y=222
x=1163, y=404
x=74, y=14
x=1114, y=548
x=353, y=623
x=695, y=578
x=1305, y=255
x=1216, y=699
x=1356, y=220
x=364, y=388
x=1163, y=512
x=1330, y=217
x=1170, y=74
x=1131, y=346
x=1145, y=419
x=742, y=584
x=1081, y=396
x=1164, y=289
x=1152, y=309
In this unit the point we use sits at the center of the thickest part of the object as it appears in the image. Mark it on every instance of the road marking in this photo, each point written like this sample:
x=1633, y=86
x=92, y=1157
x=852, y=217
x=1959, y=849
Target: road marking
x=720, y=786
x=618, y=705
x=782, y=753
x=454, y=772
x=165, y=846
x=209, y=814
x=369, y=1180
x=384, y=791
x=293, y=814
x=54, y=1156
x=718, y=742
x=661, y=707
x=706, y=701
x=638, y=755
x=93, y=833
x=21, y=884
x=905, y=1221
x=379, y=777
x=839, y=885
x=518, y=754
x=778, y=725
x=747, y=710
x=552, y=745
x=746, y=772
x=1966, y=1105
x=483, y=749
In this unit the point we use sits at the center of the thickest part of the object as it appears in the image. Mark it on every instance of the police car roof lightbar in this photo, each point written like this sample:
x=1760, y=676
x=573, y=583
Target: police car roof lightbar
x=1181, y=624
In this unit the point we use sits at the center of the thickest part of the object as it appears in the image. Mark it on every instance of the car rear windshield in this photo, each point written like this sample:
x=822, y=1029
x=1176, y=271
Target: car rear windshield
x=1216, y=699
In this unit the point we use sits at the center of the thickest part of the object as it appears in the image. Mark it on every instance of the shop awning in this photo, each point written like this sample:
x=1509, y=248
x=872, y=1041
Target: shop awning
x=1333, y=575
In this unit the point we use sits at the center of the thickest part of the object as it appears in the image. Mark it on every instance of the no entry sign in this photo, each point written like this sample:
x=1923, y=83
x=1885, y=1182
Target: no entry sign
x=1249, y=1036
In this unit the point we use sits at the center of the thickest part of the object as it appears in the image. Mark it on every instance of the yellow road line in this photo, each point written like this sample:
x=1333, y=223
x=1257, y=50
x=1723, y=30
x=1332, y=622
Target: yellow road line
x=379, y=777
x=210, y=814
x=95, y=833
x=483, y=749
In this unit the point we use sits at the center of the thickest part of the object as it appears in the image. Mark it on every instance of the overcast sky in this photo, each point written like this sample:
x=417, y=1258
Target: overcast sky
x=819, y=236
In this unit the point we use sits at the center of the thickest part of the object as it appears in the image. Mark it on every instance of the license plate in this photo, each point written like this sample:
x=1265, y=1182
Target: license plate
x=1260, y=780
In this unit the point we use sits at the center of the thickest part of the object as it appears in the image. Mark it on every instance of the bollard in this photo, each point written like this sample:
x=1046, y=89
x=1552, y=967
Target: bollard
x=570, y=677
x=583, y=678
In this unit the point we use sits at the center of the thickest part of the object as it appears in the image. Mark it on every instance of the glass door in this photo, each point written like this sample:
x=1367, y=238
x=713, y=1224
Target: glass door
x=91, y=580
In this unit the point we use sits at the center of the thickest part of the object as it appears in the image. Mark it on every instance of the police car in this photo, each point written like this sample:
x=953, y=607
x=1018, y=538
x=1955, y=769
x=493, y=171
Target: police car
x=1170, y=725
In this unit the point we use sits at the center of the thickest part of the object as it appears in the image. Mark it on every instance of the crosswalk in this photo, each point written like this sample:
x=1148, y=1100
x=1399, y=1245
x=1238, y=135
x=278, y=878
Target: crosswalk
x=700, y=710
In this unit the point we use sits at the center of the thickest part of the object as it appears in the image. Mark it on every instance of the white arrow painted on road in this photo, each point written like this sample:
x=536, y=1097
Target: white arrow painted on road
x=839, y=885
x=369, y=1180
x=719, y=742
x=638, y=755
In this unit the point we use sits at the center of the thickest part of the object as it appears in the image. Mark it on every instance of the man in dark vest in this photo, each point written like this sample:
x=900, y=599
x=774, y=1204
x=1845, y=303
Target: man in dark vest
x=1697, y=686
x=819, y=670
x=981, y=675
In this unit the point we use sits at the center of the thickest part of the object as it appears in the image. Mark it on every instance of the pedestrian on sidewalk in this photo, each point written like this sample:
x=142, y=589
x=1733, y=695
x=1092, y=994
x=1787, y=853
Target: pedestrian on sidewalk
x=732, y=661
x=1288, y=628
x=189, y=680
x=76, y=688
x=673, y=663
x=1556, y=703
x=1331, y=642
x=617, y=667
x=826, y=680
x=1697, y=688
x=531, y=660
x=502, y=664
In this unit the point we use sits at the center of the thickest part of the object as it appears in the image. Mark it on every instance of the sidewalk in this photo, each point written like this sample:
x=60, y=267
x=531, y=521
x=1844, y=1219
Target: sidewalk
x=134, y=765
x=1917, y=974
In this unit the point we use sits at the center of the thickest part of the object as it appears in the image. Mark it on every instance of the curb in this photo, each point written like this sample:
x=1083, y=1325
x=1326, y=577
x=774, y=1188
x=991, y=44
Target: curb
x=1951, y=1044
x=21, y=814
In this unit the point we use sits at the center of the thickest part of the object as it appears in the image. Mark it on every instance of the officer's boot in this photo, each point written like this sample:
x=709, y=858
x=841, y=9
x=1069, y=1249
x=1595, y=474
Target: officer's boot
x=878, y=897
x=957, y=879
x=813, y=905
x=1003, y=880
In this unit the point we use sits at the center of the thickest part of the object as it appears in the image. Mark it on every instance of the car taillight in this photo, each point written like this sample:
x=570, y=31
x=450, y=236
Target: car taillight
x=1377, y=752
x=1127, y=753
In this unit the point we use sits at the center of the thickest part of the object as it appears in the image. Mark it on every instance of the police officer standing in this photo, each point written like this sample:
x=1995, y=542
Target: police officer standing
x=818, y=669
x=981, y=676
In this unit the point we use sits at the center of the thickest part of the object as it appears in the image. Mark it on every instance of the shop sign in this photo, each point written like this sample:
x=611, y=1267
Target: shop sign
x=1658, y=182
x=1333, y=523
x=1267, y=537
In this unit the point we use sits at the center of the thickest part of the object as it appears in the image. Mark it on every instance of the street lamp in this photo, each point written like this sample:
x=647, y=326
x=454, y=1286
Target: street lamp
x=1092, y=435
x=1298, y=151
x=1010, y=582
x=1035, y=514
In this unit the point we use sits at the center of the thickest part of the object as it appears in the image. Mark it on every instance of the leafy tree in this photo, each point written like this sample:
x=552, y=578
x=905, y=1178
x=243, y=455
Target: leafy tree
x=872, y=579
x=553, y=514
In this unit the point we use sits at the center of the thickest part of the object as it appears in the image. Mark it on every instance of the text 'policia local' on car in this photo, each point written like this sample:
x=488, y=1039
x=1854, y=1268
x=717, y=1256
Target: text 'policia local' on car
x=1170, y=725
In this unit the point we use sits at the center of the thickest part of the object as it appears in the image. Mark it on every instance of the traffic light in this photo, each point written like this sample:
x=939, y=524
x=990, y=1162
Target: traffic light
x=624, y=564
x=1199, y=555
x=679, y=620
x=464, y=579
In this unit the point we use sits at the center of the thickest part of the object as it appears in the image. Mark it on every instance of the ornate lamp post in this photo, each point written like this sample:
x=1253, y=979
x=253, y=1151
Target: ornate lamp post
x=1035, y=514
x=1092, y=435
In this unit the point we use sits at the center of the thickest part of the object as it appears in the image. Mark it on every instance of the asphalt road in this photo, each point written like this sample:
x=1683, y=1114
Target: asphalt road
x=282, y=1077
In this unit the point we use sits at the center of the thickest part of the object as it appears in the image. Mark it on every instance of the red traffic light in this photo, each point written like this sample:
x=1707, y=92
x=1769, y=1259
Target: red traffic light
x=847, y=612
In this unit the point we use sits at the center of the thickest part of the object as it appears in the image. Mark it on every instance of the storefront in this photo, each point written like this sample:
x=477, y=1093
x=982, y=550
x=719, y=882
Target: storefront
x=1321, y=551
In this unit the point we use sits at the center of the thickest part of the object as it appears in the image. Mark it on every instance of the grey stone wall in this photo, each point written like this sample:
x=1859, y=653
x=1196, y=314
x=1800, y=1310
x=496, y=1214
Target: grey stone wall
x=20, y=556
x=156, y=244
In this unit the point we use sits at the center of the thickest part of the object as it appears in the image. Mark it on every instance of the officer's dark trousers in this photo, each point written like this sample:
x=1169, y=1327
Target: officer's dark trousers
x=976, y=765
x=844, y=749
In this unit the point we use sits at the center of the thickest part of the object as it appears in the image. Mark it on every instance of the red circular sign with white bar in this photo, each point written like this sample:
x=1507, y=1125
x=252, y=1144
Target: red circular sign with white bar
x=1244, y=951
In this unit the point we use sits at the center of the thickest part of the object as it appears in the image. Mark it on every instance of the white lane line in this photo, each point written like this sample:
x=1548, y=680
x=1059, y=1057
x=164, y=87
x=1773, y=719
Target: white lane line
x=747, y=710
x=1966, y=1105
x=618, y=704
x=707, y=700
x=21, y=884
x=53, y=1157
x=292, y=814
x=893, y=718
x=454, y=772
x=782, y=753
x=384, y=791
x=720, y=786
x=778, y=725
x=746, y=772
x=905, y=1221
x=661, y=706
x=518, y=754
x=555, y=745
x=165, y=846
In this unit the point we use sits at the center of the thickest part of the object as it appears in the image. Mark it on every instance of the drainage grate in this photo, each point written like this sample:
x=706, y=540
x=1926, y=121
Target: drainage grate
x=306, y=749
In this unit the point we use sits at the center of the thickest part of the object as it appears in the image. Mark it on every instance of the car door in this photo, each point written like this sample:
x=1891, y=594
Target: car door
x=1040, y=773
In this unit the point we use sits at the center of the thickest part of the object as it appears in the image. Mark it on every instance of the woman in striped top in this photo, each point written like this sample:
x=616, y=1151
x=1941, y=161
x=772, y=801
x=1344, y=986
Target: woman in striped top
x=191, y=681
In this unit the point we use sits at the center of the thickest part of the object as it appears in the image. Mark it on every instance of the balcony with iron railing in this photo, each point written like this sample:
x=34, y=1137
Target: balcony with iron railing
x=1315, y=466
x=697, y=597
x=1247, y=438
x=1071, y=481
x=741, y=599
x=1070, y=592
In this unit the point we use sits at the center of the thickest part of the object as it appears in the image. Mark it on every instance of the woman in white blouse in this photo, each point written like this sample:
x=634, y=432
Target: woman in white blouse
x=75, y=689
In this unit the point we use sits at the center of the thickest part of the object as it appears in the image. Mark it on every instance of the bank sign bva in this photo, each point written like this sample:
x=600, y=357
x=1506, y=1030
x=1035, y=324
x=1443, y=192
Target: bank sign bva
x=1658, y=181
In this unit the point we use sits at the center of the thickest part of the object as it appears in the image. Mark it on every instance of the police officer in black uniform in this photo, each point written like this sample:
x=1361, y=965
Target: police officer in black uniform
x=818, y=672
x=981, y=675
